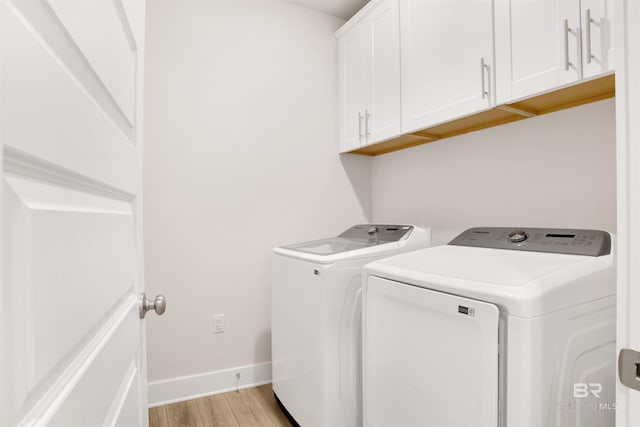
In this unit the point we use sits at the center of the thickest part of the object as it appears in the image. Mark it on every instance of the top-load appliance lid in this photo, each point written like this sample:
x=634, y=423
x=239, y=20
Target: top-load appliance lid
x=357, y=237
x=359, y=241
x=525, y=271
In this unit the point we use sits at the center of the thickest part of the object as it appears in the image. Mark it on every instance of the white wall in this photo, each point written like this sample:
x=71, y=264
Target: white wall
x=556, y=170
x=241, y=100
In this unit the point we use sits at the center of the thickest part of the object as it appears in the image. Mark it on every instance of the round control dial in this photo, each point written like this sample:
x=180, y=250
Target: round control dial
x=518, y=236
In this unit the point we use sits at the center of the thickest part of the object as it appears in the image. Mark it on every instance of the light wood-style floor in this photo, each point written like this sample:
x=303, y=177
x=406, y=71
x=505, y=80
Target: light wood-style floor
x=250, y=407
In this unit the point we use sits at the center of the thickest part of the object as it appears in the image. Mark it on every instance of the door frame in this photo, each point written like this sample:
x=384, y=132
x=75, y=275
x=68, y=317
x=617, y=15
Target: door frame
x=627, y=42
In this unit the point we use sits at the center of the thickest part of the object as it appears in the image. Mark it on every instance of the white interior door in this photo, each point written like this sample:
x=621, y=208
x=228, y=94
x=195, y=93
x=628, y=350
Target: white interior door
x=429, y=358
x=627, y=41
x=71, y=341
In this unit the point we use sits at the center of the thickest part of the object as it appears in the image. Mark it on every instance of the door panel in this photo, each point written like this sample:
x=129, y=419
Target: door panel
x=528, y=60
x=126, y=409
x=88, y=135
x=70, y=109
x=527, y=48
x=40, y=254
x=90, y=398
x=113, y=58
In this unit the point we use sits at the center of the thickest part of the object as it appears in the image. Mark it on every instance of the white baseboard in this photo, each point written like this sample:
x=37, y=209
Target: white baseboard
x=194, y=386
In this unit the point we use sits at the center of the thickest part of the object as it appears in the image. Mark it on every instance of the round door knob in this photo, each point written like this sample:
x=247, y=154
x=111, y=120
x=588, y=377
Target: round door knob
x=159, y=304
x=518, y=236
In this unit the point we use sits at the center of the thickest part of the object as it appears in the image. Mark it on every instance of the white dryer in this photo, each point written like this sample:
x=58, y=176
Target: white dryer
x=316, y=320
x=501, y=327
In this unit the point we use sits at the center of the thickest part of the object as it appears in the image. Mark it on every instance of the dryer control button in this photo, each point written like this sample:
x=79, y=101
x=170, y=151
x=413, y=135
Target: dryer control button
x=518, y=236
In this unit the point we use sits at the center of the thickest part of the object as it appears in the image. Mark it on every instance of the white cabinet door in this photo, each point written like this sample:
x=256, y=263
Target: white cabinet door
x=544, y=44
x=354, y=48
x=370, y=76
x=534, y=50
x=71, y=340
x=429, y=358
x=447, y=60
x=383, y=106
x=597, y=33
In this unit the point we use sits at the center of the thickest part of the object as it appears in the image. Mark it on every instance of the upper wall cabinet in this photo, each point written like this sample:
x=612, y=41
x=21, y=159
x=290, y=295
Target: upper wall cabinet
x=447, y=60
x=416, y=71
x=541, y=45
x=369, y=49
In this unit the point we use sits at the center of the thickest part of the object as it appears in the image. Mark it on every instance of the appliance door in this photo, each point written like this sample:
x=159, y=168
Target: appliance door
x=430, y=358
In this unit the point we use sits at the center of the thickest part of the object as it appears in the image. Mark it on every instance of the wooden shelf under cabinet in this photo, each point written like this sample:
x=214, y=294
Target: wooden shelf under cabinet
x=560, y=99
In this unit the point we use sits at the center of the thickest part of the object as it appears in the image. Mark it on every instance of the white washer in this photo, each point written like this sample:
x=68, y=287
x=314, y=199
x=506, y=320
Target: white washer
x=316, y=320
x=501, y=327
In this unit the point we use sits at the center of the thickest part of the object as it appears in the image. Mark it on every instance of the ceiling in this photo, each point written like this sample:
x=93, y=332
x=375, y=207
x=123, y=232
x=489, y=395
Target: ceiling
x=344, y=9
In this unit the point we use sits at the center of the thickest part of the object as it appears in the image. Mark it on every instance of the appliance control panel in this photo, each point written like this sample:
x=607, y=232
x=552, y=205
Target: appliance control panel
x=382, y=233
x=551, y=240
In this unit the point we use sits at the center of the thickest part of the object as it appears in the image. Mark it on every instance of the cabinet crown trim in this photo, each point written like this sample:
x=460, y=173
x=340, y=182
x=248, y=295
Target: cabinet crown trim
x=358, y=17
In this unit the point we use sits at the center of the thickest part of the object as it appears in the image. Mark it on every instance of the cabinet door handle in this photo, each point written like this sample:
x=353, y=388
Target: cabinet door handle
x=366, y=124
x=567, y=30
x=483, y=67
x=360, y=126
x=587, y=29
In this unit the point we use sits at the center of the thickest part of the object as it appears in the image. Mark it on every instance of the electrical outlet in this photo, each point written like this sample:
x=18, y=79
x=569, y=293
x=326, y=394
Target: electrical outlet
x=218, y=323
